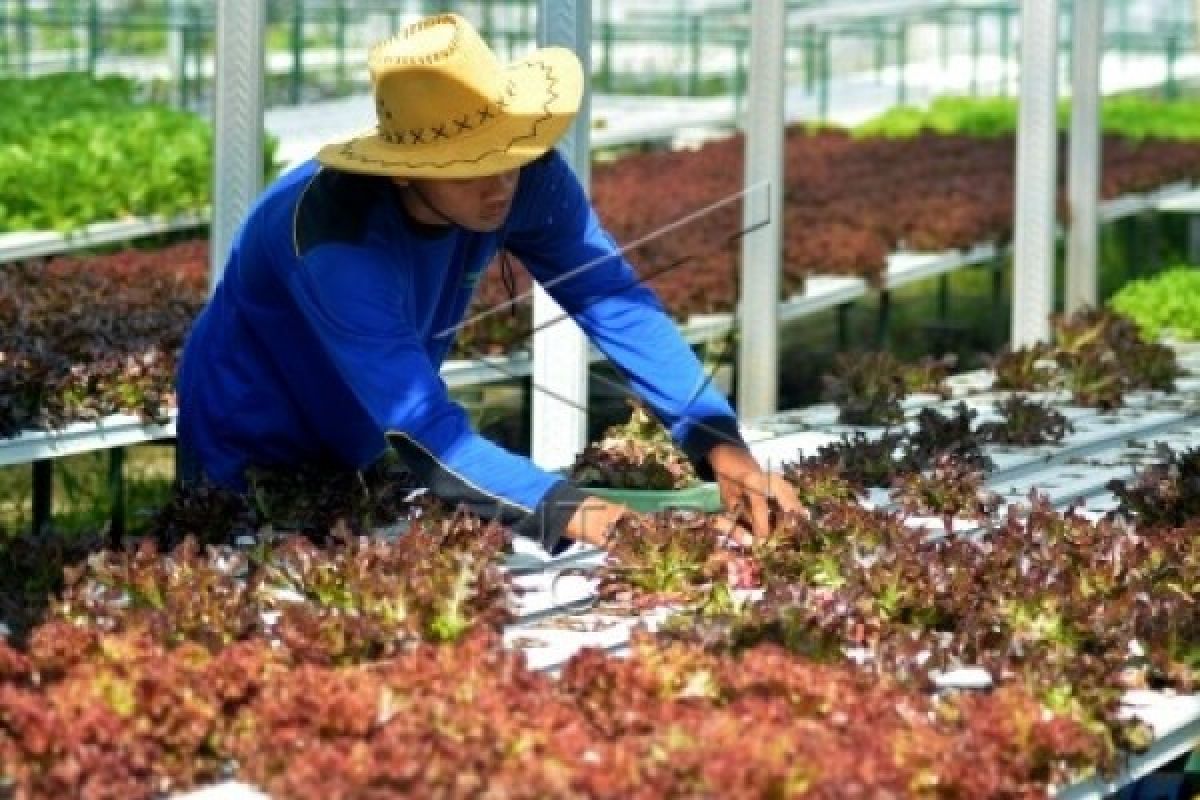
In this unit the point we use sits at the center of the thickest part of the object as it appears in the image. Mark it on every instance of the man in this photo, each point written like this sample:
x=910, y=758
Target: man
x=347, y=281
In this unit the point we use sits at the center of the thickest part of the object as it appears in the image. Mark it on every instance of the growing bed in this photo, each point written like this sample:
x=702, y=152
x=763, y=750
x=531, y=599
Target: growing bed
x=1104, y=446
x=310, y=616
x=678, y=711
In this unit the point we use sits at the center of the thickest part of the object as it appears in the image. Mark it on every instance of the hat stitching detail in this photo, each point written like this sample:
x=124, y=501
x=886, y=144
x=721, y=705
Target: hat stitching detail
x=375, y=56
x=552, y=95
x=463, y=124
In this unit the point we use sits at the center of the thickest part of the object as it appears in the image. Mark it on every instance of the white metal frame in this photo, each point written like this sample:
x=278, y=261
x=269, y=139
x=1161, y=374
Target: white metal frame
x=118, y=430
x=21, y=245
x=238, y=137
x=1083, y=176
x=1036, y=185
x=560, y=350
x=762, y=245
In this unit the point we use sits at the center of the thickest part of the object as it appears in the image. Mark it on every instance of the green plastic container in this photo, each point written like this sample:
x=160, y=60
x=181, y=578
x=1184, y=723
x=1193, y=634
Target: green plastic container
x=704, y=497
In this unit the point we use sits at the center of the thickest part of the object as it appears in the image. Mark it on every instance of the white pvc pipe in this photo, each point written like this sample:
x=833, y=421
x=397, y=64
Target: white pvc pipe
x=758, y=351
x=238, y=162
x=1034, y=228
x=1083, y=189
x=560, y=351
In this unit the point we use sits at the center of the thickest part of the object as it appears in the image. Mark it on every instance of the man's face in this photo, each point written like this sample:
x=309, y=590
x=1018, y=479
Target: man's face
x=477, y=204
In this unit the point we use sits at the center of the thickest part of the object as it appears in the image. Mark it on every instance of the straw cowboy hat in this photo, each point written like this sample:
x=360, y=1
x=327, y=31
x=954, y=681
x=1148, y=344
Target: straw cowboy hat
x=447, y=108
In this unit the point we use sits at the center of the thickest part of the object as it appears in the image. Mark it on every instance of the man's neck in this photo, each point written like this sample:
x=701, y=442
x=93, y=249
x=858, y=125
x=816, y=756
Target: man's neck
x=420, y=219
x=419, y=210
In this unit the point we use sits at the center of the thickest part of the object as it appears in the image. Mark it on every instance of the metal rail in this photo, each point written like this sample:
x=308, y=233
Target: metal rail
x=22, y=245
x=822, y=292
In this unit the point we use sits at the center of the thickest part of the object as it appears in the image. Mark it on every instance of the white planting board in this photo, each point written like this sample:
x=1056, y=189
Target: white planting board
x=554, y=623
x=119, y=430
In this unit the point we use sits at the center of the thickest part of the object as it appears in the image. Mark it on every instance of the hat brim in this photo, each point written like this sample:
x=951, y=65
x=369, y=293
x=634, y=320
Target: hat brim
x=547, y=91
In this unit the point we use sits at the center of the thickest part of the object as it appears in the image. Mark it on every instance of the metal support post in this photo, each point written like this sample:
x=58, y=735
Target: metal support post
x=696, y=34
x=883, y=320
x=185, y=94
x=762, y=246
x=43, y=495
x=843, y=325
x=1066, y=47
x=24, y=43
x=1083, y=176
x=5, y=54
x=72, y=30
x=176, y=19
x=1123, y=30
x=824, y=77
x=560, y=350
x=94, y=45
x=1005, y=47
x=297, y=52
x=943, y=40
x=606, y=74
x=1193, y=238
x=116, y=491
x=1034, y=228
x=488, y=26
x=1171, y=88
x=997, y=316
x=188, y=471
x=976, y=48
x=1134, y=251
x=739, y=79
x=902, y=63
x=1154, y=244
x=238, y=161
x=881, y=48
x=809, y=38
x=339, y=21
x=197, y=31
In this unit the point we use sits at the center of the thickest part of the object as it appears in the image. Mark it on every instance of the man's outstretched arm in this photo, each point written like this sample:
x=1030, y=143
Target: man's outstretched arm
x=557, y=234
x=393, y=395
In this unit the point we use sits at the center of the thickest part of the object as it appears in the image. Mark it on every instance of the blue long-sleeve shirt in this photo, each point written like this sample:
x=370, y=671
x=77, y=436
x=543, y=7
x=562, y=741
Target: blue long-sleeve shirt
x=324, y=337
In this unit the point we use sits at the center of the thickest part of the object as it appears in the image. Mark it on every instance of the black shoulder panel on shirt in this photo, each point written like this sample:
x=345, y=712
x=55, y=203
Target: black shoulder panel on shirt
x=546, y=524
x=335, y=207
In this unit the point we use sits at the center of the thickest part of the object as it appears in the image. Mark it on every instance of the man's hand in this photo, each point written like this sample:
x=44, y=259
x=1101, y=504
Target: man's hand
x=747, y=490
x=593, y=521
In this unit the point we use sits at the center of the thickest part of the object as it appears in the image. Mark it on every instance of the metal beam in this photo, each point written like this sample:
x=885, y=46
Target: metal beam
x=1083, y=187
x=238, y=162
x=560, y=350
x=177, y=18
x=1034, y=228
x=835, y=13
x=758, y=354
